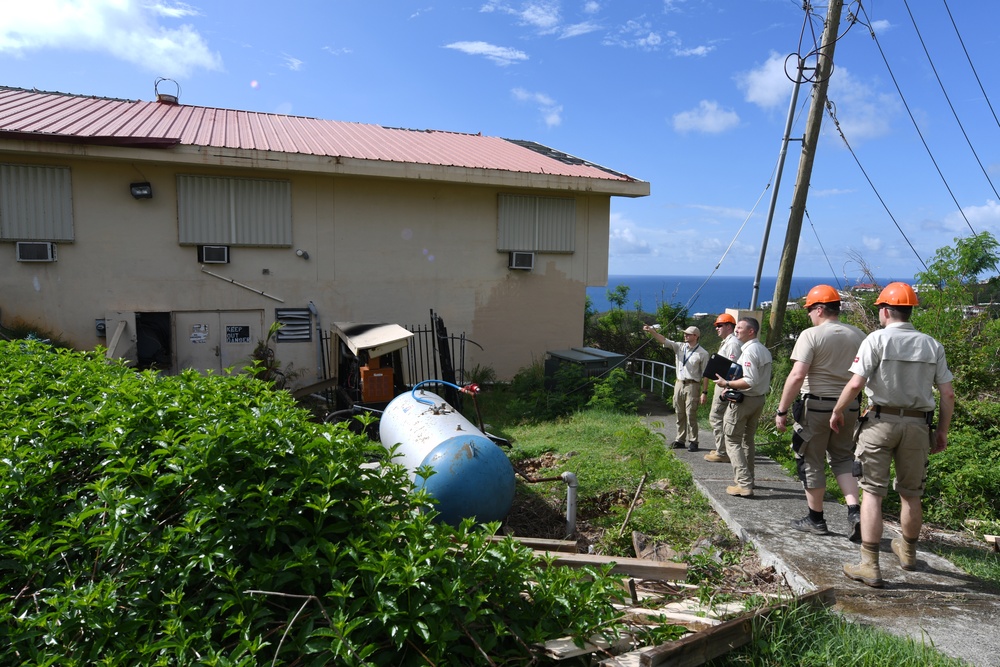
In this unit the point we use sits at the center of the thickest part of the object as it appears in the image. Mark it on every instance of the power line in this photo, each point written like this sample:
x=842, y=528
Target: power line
x=836, y=122
x=948, y=99
x=967, y=57
x=913, y=120
x=822, y=249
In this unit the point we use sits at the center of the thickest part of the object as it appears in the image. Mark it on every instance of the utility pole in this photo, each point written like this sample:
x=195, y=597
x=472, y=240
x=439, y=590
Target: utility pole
x=824, y=68
x=777, y=181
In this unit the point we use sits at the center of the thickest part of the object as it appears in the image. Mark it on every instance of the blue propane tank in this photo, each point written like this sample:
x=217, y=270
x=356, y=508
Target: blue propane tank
x=472, y=476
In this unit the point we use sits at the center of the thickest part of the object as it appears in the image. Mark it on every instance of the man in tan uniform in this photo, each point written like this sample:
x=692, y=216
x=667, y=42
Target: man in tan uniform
x=898, y=367
x=823, y=355
x=742, y=417
x=690, y=388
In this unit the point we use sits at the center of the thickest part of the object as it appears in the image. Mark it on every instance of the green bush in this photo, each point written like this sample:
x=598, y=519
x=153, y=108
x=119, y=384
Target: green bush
x=963, y=479
x=616, y=392
x=182, y=520
x=540, y=398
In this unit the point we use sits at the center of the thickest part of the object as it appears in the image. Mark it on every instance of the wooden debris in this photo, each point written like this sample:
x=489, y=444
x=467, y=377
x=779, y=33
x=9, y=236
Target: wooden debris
x=633, y=567
x=540, y=544
x=994, y=540
x=566, y=648
x=699, y=648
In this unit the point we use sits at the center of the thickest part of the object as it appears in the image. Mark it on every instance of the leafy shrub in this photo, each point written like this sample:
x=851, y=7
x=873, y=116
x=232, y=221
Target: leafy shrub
x=616, y=392
x=538, y=398
x=150, y=520
x=962, y=480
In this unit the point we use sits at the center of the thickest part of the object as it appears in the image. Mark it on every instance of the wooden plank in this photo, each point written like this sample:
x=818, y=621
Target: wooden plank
x=565, y=648
x=540, y=544
x=697, y=649
x=634, y=567
x=302, y=392
x=994, y=540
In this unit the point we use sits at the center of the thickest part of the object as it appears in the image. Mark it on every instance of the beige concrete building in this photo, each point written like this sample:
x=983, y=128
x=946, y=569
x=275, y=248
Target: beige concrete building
x=176, y=235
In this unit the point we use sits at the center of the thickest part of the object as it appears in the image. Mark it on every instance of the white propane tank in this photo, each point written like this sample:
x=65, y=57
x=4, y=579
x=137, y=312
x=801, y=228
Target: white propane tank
x=472, y=476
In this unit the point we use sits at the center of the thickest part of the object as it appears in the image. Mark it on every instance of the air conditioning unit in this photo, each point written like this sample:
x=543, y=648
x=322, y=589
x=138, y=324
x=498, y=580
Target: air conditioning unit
x=521, y=260
x=213, y=254
x=36, y=251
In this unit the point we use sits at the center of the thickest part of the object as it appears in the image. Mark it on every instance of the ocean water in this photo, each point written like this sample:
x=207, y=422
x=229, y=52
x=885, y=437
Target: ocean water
x=699, y=294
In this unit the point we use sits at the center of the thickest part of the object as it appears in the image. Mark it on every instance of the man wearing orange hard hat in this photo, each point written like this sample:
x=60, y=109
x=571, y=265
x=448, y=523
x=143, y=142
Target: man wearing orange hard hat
x=725, y=325
x=822, y=359
x=898, y=368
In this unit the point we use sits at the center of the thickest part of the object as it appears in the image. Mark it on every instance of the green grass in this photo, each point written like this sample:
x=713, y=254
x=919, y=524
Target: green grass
x=980, y=563
x=610, y=454
x=811, y=637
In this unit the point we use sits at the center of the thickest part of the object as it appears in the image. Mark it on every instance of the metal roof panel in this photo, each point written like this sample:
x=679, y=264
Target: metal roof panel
x=78, y=118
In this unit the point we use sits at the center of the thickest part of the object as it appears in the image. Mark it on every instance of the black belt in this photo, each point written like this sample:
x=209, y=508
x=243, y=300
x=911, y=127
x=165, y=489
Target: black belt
x=903, y=412
x=689, y=381
x=814, y=397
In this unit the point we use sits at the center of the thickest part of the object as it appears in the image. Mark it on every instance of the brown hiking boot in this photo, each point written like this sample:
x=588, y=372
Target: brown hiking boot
x=716, y=457
x=739, y=491
x=867, y=571
x=906, y=553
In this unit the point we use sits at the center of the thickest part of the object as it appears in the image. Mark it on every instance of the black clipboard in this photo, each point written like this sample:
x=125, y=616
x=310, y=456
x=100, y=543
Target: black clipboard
x=717, y=365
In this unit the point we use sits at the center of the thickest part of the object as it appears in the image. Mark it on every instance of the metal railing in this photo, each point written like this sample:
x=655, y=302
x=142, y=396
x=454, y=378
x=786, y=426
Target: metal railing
x=653, y=373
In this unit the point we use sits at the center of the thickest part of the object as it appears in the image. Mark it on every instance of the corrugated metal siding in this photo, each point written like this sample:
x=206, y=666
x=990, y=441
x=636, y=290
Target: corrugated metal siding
x=203, y=210
x=516, y=222
x=234, y=211
x=541, y=224
x=556, y=225
x=36, y=203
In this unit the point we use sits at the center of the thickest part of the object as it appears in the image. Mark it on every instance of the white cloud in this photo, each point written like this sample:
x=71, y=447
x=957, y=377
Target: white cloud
x=861, y=112
x=501, y=55
x=696, y=51
x=124, y=29
x=341, y=51
x=292, y=63
x=872, y=243
x=636, y=34
x=982, y=218
x=174, y=10
x=625, y=241
x=881, y=26
x=542, y=15
x=707, y=118
x=551, y=110
x=766, y=86
x=591, y=7
x=578, y=29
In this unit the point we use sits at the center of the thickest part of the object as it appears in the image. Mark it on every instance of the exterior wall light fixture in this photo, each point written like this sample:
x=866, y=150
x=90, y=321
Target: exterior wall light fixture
x=141, y=190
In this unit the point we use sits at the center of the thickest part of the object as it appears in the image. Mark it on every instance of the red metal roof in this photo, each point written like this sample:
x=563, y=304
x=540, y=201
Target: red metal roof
x=36, y=115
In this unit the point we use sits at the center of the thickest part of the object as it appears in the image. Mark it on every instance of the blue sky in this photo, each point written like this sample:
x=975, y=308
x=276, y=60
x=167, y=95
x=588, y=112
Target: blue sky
x=690, y=95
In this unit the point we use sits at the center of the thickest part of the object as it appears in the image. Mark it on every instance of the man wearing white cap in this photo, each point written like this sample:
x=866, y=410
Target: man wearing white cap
x=690, y=388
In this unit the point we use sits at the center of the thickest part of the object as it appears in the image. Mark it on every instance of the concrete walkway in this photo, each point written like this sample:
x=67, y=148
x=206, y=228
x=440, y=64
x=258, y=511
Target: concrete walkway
x=938, y=604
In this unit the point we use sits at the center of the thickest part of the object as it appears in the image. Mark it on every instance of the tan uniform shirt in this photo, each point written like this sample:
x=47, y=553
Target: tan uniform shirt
x=829, y=349
x=755, y=360
x=691, y=362
x=901, y=366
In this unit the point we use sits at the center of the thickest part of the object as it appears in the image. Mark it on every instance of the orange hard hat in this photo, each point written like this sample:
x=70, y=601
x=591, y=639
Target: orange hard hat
x=897, y=294
x=725, y=318
x=822, y=294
